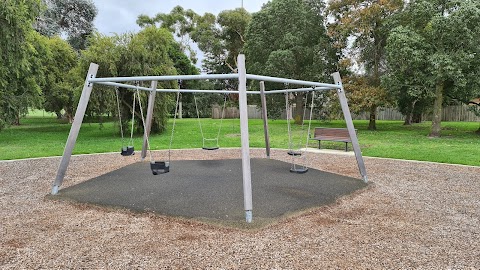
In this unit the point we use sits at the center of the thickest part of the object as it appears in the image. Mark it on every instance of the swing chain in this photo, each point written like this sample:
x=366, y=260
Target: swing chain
x=117, y=93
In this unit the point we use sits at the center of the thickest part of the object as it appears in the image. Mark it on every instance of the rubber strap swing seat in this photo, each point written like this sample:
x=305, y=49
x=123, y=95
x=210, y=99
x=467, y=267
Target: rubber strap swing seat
x=208, y=146
x=294, y=153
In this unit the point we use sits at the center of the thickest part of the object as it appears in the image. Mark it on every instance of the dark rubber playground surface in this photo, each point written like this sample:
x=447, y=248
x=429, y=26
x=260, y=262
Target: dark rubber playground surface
x=212, y=190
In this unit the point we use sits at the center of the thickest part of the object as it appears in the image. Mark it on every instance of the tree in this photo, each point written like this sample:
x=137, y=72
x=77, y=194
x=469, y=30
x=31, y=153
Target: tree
x=407, y=55
x=442, y=37
x=224, y=40
x=220, y=38
x=180, y=22
x=287, y=38
x=58, y=61
x=70, y=18
x=147, y=53
x=475, y=108
x=19, y=71
x=363, y=96
x=360, y=28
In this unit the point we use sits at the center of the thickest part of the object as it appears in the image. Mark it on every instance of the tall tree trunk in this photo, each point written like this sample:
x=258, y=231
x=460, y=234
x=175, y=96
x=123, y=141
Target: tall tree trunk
x=69, y=115
x=298, y=109
x=372, y=125
x=16, y=121
x=417, y=118
x=409, y=116
x=408, y=119
x=437, y=110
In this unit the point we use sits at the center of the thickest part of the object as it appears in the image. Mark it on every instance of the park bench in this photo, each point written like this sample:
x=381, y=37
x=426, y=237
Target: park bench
x=332, y=134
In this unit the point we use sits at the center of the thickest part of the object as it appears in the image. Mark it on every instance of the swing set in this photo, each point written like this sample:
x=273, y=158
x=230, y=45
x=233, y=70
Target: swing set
x=159, y=167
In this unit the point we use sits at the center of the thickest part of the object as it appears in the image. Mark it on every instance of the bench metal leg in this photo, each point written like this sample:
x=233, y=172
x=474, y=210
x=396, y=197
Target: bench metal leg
x=346, y=147
x=318, y=144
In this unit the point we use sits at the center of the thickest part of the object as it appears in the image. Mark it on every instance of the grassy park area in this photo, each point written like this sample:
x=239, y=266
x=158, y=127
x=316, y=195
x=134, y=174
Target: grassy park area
x=39, y=136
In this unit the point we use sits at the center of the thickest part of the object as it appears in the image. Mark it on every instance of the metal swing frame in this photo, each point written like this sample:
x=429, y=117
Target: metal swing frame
x=242, y=77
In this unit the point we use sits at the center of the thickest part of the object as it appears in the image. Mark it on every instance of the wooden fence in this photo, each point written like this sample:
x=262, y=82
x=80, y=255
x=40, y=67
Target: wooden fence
x=459, y=113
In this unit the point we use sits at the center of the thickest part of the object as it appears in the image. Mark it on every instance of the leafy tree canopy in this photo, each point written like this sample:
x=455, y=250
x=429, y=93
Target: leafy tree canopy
x=19, y=73
x=151, y=52
x=59, y=59
x=72, y=18
x=287, y=38
x=435, y=52
x=360, y=29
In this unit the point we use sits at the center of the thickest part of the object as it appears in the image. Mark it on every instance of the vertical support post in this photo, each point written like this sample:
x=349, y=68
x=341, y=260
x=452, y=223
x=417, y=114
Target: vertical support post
x=351, y=129
x=265, y=118
x=180, y=110
x=246, y=170
x=148, y=121
x=75, y=129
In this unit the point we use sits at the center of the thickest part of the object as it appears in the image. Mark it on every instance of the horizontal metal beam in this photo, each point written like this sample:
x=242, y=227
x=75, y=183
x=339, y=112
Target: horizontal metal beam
x=169, y=90
x=167, y=78
x=211, y=77
x=299, y=90
x=198, y=91
x=215, y=91
x=122, y=85
x=290, y=81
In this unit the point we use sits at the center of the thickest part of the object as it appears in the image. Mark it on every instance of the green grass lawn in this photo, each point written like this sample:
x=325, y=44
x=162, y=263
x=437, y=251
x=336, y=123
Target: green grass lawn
x=45, y=136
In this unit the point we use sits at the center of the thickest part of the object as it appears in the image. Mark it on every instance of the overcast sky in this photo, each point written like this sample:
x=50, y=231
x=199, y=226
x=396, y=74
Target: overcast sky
x=119, y=16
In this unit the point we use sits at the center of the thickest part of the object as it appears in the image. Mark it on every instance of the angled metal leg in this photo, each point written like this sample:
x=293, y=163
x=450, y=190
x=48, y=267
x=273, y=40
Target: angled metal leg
x=350, y=127
x=148, y=121
x=75, y=129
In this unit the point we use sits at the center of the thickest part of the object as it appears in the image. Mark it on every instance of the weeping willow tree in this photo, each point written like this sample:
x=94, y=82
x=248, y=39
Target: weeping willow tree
x=151, y=52
x=19, y=65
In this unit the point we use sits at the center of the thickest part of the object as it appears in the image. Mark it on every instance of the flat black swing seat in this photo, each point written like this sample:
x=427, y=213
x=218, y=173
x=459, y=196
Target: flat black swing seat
x=159, y=167
x=294, y=153
x=299, y=171
x=127, y=151
x=211, y=148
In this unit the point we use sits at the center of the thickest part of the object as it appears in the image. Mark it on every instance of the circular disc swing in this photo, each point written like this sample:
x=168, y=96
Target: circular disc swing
x=206, y=146
x=300, y=169
x=127, y=149
x=290, y=152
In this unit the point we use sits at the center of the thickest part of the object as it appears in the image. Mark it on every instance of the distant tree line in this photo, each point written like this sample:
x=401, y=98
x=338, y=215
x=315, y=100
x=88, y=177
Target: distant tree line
x=417, y=55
